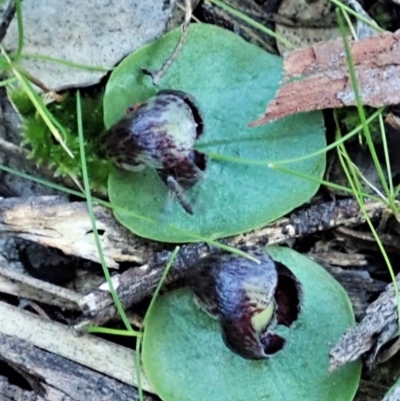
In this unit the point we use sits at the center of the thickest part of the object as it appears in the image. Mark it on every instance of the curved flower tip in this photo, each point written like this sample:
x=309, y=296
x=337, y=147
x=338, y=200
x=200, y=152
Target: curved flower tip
x=249, y=299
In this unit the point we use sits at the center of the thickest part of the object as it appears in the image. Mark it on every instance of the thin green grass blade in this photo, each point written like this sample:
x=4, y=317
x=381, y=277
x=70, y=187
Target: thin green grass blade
x=89, y=201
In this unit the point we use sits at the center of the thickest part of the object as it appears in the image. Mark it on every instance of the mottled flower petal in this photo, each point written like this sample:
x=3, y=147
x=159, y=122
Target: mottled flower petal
x=160, y=133
x=248, y=298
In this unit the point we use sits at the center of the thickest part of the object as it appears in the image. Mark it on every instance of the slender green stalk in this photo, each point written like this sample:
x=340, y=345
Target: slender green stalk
x=355, y=185
x=8, y=81
x=153, y=300
x=386, y=153
x=322, y=182
x=234, y=159
x=250, y=21
x=20, y=26
x=37, y=102
x=350, y=11
x=104, y=203
x=65, y=62
x=41, y=104
x=361, y=112
x=89, y=201
x=115, y=332
x=160, y=283
x=98, y=201
x=230, y=249
x=353, y=177
x=138, y=361
x=350, y=172
x=350, y=25
x=43, y=182
x=120, y=209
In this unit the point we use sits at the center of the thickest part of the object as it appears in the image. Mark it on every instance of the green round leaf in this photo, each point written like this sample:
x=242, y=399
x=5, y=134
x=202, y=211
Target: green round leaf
x=186, y=360
x=232, y=82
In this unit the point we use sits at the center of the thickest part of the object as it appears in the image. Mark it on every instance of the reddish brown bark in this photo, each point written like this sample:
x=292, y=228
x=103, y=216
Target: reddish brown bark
x=318, y=78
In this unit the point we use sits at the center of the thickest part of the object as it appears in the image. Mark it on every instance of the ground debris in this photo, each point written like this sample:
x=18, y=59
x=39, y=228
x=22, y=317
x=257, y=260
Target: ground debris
x=55, y=378
x=136, y=283
x=317, y=77
x=378, y=328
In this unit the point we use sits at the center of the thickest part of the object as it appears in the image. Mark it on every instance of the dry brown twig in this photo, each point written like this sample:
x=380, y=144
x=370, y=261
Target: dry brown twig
x=379, y=326
x=30, y=331
x=157, y=75
x=136, y=283
x=46, y=220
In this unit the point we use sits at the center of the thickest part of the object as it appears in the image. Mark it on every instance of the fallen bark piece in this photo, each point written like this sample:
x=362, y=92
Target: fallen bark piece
x=24, y=286
x=55, y=378
x=306, y=22
x=10, y=392
x=359, y=285
x=317, y=77
x=136, y=283
x=54, y=222
x=112, y=360
x=379, y=327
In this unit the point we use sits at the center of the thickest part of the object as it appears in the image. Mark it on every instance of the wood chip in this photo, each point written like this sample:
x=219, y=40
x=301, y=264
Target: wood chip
x=87, y=350
x=24, y=286
x=317, y=77
x=47, y=221
x=379, y=327
x=54, y=378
